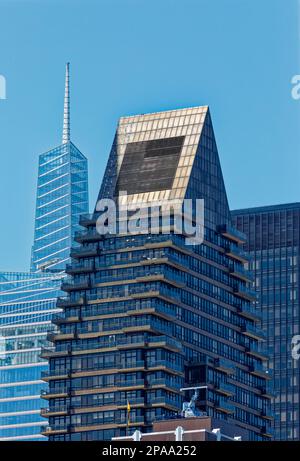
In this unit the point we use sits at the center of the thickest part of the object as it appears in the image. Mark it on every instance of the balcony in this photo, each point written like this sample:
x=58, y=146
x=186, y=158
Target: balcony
x=131, y=384
x=61, y=317
x=131, y=365
x=166, y=364
x=266, y=431
x=238, y=271
x=266, y=415
x=72, y=285
x=52, y=430
x=83, y=251
x=67, y=302
x=54, y=411
x=165, y=341
x=253, y=332
x=224, y=365
x=78, y=268
x=54, y=374
x=57, y=336
x=134, y=420
x=260, y=370
x=245, y=293
x=224, y=388
x=135, y=401
x=49, y=352
x=54, y=392
x=90, y=235
x=88, y=219
x=265, y=392
x=224, y=406
x=165, y=401
x=46, y=352
x=249, y=312
x=232, y=234
x=255, y=351
x=236, y=253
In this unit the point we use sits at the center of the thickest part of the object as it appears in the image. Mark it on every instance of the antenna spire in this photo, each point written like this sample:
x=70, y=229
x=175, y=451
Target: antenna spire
x=66, y=124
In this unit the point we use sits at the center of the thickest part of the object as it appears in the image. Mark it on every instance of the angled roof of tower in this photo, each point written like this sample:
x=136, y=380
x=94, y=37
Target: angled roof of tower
x=168, y=155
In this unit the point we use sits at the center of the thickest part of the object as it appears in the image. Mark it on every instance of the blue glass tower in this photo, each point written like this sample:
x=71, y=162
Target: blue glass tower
x=273, y=246
x=28, y=299
x=62, y=195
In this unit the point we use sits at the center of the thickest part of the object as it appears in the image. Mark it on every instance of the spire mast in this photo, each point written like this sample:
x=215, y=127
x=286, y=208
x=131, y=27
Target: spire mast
x=66, y=124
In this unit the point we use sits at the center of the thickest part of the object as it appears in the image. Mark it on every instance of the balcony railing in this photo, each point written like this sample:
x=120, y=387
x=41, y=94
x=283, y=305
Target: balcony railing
x=225, y=388
x=224, y=406
x=72, y=285
x=91, y=235
x=78, y=252
x=80, y=267
x=237, y=253
x=260, y=370
x=245, y=292
x=224, y=365
x=57, y=409
x=232, y=233
x=253, y=331
x=88, y=219
x=238, y=271
x=165, y=339
x=53, y=373
x=164, y=400
x=54, y=391
x=67, y=302
x=55, y=428
x=167, y=364
x=132, y=383
x=249, y=311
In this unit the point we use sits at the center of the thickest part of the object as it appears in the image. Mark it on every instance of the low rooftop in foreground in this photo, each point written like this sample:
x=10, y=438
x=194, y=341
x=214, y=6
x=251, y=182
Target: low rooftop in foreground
x=202, y=428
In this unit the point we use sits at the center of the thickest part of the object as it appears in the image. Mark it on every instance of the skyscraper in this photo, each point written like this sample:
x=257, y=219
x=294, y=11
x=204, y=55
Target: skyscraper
x=62, y=195
x=28, y=299
x=273, y=237
x=146, y=313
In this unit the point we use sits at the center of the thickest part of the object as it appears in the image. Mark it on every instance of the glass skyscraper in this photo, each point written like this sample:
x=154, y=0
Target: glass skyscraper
x=273, y=238
x=145, y=313
x=28, y=299
x=62, y=195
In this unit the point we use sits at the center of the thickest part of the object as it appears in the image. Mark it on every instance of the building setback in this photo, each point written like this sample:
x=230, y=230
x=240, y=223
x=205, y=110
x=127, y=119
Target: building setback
x=273, y=246
x=146, y=314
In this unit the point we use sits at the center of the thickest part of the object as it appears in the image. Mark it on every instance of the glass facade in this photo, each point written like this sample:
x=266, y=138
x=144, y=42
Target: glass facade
x=146, y=314
x=27, y=303
x=273, y=246
x=62, y=195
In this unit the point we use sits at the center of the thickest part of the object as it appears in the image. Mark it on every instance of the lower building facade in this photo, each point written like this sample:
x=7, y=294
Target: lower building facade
x=144, y=317
x=27, y=303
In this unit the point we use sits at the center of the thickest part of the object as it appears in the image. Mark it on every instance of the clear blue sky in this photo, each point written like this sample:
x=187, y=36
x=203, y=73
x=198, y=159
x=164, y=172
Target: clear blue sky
x=136, y=56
